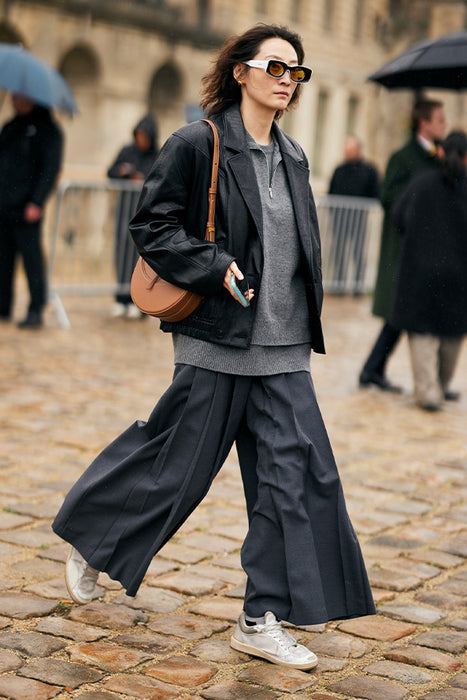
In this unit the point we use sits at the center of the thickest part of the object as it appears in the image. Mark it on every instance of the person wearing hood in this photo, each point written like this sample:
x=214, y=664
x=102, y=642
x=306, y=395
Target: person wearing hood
x=31, y=147
x=133, y=162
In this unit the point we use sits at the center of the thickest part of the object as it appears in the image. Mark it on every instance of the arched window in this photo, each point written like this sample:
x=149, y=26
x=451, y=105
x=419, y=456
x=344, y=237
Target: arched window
x=320, y=132
x=167, y=98
x=353, y=107
x=359, y=15
x=166, y=88
x=80, y=66
x=329, y=15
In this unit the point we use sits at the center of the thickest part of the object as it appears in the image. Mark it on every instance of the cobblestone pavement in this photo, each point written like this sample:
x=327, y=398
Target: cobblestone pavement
x=65, y=394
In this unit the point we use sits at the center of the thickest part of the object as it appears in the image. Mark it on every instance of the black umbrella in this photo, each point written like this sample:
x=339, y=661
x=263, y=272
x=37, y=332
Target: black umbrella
x=437, y=63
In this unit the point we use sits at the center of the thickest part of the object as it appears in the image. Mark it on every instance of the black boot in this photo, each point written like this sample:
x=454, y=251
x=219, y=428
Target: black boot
x=373, y=372
x=32, y=320
x=366, y=379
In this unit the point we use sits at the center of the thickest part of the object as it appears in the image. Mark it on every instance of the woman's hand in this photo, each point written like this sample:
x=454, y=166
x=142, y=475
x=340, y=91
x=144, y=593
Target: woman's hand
x=233, y=271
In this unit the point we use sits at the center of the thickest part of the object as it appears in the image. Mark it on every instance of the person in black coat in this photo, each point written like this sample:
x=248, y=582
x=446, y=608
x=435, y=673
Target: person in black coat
x=133, y=162
x=353, y=178
x=431, y=290
x=31, y=147
x=419, y=154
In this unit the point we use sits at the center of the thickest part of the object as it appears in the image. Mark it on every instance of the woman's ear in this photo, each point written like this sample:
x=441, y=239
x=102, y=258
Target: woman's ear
x=238, y=71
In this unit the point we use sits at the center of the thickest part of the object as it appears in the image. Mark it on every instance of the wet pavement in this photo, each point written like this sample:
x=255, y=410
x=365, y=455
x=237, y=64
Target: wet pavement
x=65, y=394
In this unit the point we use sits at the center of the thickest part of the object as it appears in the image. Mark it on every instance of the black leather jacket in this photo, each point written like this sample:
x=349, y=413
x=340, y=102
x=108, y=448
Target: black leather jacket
x=169, y=226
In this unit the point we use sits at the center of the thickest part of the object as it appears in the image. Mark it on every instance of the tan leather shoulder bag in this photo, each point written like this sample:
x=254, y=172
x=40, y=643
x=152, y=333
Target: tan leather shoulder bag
x=154, y=295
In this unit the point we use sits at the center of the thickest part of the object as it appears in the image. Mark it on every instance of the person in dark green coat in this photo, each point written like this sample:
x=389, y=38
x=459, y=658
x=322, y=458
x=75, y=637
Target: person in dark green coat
x=418, y=154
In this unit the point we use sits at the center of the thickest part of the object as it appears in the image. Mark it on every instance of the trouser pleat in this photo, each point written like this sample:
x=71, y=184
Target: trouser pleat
x=145, y=484
x=301, y=553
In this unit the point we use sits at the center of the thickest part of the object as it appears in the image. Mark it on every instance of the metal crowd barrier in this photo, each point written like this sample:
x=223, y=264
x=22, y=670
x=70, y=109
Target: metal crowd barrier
x=91, y=252
x=350, y=230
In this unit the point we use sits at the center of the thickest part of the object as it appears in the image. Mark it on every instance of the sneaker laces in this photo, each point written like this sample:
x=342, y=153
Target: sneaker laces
x=279, y=634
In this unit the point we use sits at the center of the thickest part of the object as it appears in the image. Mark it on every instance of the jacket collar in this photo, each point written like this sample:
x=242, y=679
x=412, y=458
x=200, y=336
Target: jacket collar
x=429, y=155
x=235, y=134
x=235, y=140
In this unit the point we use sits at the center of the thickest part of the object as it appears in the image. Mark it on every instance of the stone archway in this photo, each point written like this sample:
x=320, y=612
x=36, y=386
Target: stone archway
x=166, y=98
x=80, y=67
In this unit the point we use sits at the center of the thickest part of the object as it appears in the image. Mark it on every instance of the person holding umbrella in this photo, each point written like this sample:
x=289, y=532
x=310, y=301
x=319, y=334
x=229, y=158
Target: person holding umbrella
x=418, y=154
x=31, y=146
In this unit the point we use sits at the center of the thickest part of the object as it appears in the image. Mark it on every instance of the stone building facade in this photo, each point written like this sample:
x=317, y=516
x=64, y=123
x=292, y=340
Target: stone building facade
x=123, y=58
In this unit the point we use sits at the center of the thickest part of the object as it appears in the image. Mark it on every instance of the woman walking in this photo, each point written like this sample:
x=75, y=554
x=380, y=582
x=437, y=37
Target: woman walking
x=242, y=369
x=431, y=290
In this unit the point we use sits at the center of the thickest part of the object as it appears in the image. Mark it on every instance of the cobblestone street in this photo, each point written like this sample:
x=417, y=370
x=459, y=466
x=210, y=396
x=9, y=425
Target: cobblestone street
x=65, y=394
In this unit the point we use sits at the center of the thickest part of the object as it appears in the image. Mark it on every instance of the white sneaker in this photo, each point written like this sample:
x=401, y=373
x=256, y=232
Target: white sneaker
x=80, y=578
x=272, y=642
x=132, y=311
x=118, y=310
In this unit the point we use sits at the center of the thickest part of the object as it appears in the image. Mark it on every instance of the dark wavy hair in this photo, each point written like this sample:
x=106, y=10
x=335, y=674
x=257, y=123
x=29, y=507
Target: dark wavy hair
x=453, y=162
x=220, y=89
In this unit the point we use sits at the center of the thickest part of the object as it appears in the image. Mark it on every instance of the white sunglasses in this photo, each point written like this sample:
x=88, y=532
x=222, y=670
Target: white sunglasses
x=276, y=69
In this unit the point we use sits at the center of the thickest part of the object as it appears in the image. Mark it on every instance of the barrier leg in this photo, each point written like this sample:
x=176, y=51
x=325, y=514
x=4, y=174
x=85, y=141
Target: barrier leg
x=61, y=314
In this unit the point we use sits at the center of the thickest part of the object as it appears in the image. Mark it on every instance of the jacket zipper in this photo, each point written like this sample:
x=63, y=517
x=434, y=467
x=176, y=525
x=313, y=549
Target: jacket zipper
x=272, y=178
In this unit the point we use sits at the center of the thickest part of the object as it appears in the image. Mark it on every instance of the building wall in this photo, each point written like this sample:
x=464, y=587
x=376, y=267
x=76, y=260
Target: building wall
x=342, y=40
x=118, y=71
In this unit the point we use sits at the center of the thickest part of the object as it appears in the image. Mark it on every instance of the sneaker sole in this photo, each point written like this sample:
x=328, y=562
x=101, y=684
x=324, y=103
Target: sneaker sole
x=253, y=651
x=68, y=585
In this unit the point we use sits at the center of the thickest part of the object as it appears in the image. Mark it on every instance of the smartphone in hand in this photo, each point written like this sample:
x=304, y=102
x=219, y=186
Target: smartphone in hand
x=240, y=288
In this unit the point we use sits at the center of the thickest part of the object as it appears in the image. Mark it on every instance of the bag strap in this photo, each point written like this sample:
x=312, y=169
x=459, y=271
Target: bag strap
x=210, y=228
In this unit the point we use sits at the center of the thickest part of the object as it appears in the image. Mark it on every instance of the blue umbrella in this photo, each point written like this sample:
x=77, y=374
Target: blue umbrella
x=24, y=73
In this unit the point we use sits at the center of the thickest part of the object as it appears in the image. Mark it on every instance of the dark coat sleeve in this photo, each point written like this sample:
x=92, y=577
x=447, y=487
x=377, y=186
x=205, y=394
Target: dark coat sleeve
x=124, y=156
x=169, y=225
x=373, y=183
x=396, y=177
x=401, y=208
x=49, y=155
x=332, y=184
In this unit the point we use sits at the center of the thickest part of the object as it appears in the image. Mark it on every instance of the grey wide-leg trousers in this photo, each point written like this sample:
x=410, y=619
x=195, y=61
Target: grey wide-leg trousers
x=301, y=554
